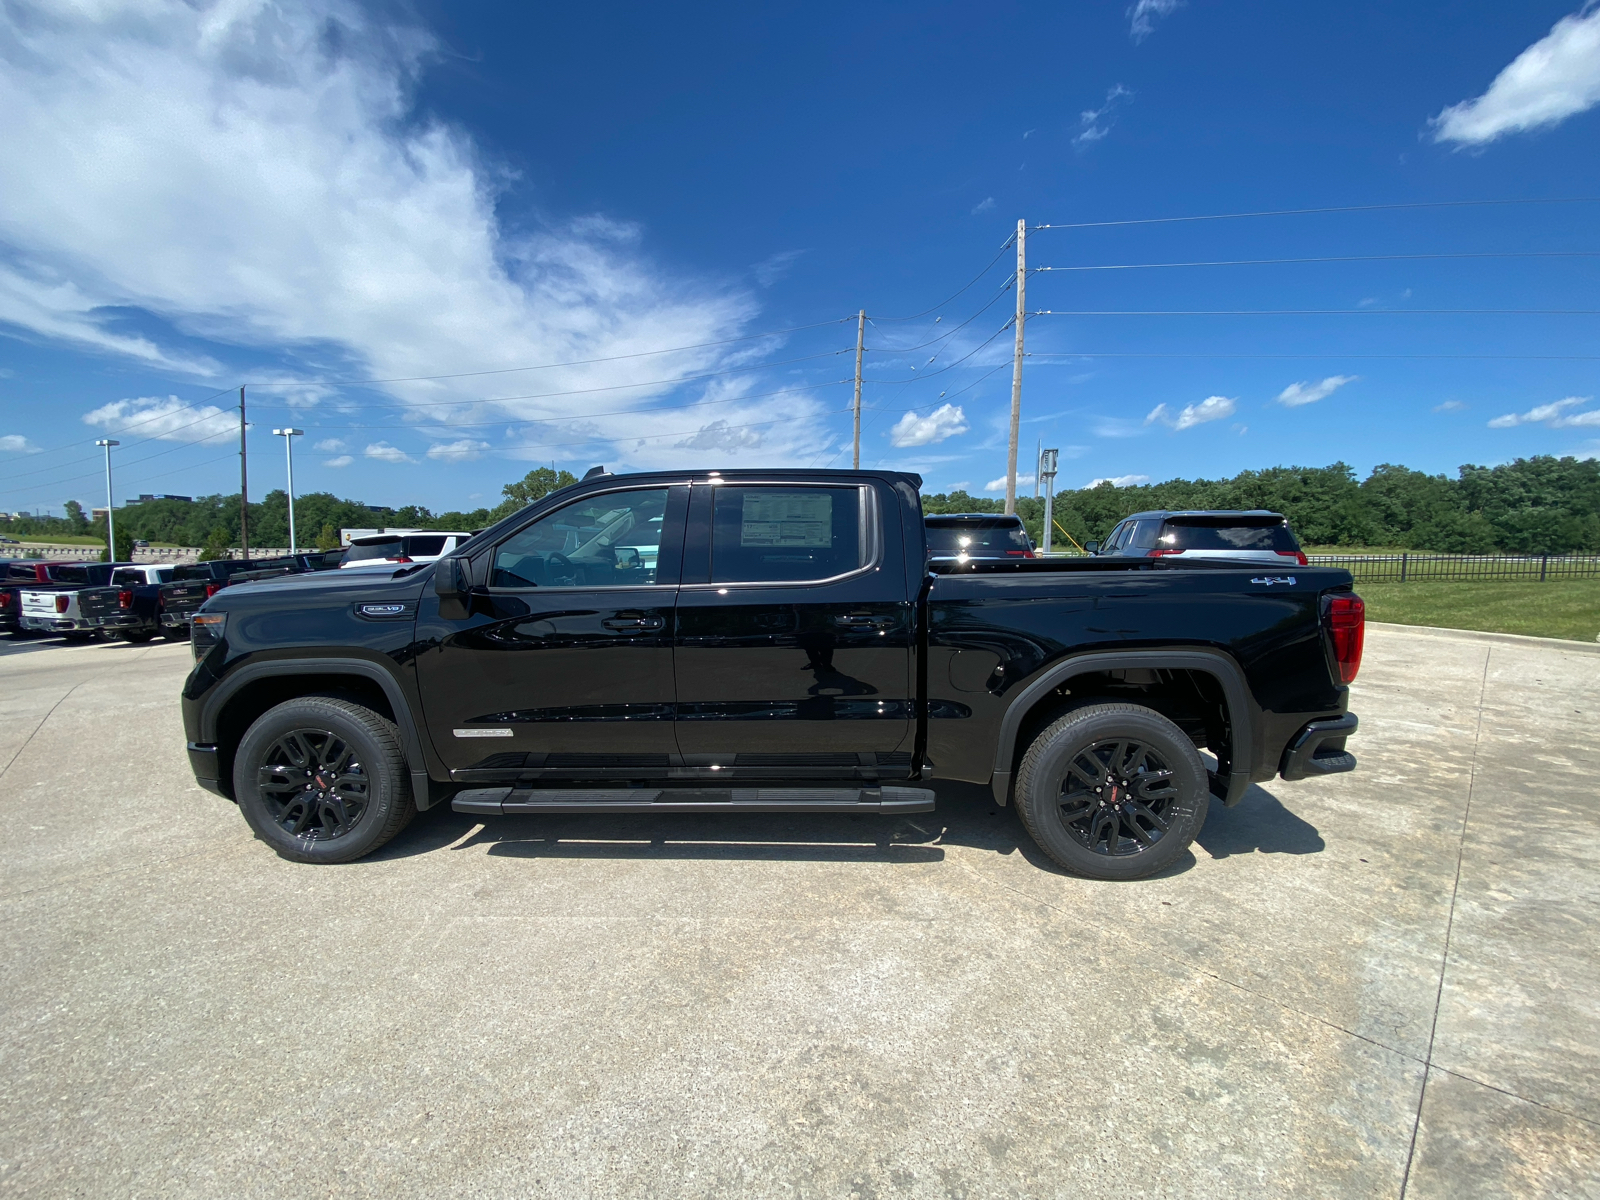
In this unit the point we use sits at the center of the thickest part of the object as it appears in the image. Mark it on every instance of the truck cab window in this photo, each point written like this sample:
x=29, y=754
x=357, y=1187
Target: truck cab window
x=610, y=540
x=775, y=534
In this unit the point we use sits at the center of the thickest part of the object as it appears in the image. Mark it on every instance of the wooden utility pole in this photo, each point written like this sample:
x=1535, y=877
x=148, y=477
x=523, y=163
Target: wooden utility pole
x=861, y=336
x=1016, y=368
x=244, y=486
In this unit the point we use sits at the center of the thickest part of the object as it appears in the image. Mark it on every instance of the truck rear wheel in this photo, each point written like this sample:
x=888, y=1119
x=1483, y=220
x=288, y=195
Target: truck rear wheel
x=1112, y=791
x=323, y=780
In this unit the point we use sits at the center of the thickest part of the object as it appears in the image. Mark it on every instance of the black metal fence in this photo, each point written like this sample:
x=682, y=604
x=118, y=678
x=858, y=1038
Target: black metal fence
x=1405, y=568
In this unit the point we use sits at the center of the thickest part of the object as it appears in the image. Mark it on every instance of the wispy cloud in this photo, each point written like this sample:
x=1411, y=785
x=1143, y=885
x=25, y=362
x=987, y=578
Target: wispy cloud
x=914, y=429
x=15, y=443
x=169, y=419
x=1095, y=123
x=460, y=451
x=1555, y=78
x=983, y=206
x=384, y=452
x=1557, y=415
x=1212, y=408
x=999, y=485
x=1300, y=393
x=1450, y=406
x=1143, y=15
x=775, y=266
x=1119, y=481
x=344, y=460
x=330, y=445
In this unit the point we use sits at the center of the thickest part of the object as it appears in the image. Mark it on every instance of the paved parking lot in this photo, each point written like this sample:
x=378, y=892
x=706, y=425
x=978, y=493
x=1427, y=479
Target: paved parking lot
x=1378, y=982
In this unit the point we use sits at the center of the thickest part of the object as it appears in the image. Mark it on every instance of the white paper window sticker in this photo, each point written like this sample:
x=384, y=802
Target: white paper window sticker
x=787, y=519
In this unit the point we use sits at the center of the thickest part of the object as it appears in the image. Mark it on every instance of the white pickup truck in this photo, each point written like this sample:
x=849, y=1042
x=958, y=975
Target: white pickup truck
x=53, y=607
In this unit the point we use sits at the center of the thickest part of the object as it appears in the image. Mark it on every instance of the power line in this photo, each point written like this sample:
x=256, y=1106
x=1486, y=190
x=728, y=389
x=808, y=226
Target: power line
x=680, y=433
x=1321, y=312
x=917, y=316
x=1297, y=212
x=948, y=334
x=1312, y=354
x=1340, y=258
x=950, y=366
x=125, y=428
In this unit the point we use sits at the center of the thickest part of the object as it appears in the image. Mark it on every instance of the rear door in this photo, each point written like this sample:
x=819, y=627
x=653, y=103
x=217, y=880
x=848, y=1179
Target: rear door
x=560, y=665
x=794, y=634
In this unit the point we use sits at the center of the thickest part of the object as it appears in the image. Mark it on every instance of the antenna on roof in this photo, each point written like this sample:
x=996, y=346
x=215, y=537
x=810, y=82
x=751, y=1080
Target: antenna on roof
x=594, y=473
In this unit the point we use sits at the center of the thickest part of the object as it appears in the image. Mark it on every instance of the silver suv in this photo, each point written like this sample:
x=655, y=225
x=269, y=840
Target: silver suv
x=1250, y=535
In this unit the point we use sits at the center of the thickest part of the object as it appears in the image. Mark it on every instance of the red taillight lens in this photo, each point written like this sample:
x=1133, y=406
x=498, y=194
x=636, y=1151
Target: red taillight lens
x=212, y=589
x=1347, y=624
x=124, y=599
x=5, y=599
x=61, y=603
x=401, y=558
x=1163, y=553
x=1298, y=555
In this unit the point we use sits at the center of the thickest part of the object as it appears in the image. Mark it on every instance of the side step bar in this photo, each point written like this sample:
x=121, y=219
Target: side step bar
x=505, y=801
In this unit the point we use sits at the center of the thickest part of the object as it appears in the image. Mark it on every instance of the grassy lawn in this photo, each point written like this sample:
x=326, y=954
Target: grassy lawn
x=67, y=540
x=1566, y=609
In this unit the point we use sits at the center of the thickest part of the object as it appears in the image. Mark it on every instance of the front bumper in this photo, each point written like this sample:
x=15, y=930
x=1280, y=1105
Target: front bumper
x=1318, y=749
x=207, y=770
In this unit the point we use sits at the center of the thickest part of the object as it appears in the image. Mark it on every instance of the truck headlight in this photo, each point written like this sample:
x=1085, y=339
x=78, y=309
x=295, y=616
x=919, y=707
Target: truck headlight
x=205, y=631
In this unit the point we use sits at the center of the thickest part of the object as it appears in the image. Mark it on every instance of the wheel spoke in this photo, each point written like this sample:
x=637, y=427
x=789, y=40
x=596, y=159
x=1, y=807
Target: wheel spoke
x=1090, y=779
x=1144, y=814
x=1139, y=833
x=1149, y=814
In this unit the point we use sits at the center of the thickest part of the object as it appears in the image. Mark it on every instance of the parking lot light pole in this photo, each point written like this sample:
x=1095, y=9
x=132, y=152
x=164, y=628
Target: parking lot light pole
x=111, y=521
x=288, y=436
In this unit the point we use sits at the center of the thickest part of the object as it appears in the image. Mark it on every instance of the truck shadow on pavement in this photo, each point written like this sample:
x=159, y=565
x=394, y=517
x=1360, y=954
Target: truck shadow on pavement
x=966, y=816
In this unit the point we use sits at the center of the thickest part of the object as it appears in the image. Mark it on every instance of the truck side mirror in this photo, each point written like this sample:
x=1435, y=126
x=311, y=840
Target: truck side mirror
x=449, y=578
x=1091, y=547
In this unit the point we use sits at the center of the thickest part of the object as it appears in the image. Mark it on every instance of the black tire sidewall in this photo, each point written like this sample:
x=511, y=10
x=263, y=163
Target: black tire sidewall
x=362, y=729
x=1045, y=764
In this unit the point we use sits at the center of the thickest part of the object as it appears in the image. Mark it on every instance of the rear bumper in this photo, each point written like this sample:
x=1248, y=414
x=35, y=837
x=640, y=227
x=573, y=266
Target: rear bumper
x=56, y=624
x=176, y=620
x=1318, y=749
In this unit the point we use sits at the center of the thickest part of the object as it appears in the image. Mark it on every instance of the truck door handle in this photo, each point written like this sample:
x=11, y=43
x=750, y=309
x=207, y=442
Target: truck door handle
x=855, y=621
x=629, y=624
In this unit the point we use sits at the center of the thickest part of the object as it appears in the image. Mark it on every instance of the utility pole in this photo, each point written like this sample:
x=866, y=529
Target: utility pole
x=111, y=520
x=861, y=335
x=244, y=486
x=1047, y=473
x=1016, y=368
x=288, y=436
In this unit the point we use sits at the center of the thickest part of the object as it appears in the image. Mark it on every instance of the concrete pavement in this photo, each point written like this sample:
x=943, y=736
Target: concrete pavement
x=1356, y=985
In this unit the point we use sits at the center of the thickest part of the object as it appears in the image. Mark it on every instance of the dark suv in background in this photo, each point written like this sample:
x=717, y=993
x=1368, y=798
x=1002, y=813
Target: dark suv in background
x=1252, y=535
x=977, y=535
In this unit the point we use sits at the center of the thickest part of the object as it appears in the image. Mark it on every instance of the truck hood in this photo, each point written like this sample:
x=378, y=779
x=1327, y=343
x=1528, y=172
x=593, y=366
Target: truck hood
x=315, y=587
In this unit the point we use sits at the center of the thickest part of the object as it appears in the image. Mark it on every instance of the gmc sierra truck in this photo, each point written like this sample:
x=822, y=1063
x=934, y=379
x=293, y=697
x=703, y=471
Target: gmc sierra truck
x=766, y=640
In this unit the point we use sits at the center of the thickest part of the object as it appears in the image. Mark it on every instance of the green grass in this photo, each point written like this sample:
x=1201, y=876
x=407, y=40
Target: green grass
x=1566, y=609
x=65, y=540
x=1363, y=550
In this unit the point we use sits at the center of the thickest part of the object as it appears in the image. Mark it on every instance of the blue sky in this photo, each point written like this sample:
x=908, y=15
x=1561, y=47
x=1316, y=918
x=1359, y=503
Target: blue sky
x=638, y=235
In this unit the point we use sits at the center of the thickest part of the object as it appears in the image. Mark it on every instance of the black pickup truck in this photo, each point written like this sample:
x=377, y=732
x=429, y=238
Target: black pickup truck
x=773, y=640
x=193, y=584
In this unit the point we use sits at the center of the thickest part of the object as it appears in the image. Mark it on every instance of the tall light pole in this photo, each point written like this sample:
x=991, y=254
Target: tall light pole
x=111, y=522
x=288, y=436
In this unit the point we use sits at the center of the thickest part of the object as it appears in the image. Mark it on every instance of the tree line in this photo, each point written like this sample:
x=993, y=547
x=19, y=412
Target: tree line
x=1541, y=505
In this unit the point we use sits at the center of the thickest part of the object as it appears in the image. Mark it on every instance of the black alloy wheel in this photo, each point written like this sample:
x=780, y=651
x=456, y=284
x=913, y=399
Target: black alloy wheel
x=1112, y=791
x=314, y=785
x=1117, y=797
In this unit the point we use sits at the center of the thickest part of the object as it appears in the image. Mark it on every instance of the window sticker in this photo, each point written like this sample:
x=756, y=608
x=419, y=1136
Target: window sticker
x=797, y=519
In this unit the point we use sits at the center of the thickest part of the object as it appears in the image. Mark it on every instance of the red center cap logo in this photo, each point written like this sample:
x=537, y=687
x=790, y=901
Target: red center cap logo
x=1113, y=793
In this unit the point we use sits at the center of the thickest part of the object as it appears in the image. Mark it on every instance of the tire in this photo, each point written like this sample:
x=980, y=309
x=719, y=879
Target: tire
x=1145, y=814
x=136, y=637
x=352, y=752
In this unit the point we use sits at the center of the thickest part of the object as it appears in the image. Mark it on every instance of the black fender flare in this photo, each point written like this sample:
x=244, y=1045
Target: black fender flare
x=410, y=738
x=1242, y=717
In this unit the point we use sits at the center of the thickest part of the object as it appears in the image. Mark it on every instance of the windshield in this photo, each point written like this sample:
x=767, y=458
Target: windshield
x=1232, y=535
x=977, y=539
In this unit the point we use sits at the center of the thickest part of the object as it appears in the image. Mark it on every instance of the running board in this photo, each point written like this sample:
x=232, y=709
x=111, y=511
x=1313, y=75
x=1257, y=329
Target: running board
x=505, y=801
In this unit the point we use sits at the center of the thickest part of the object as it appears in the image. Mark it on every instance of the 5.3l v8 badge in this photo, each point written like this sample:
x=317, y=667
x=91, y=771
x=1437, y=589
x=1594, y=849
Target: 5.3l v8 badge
x=1269, y=580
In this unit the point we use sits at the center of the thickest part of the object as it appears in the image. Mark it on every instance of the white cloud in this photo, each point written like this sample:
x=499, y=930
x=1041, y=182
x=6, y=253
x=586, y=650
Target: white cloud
x=984, y=205
x=999, y=485
x=1119, y=481
x=1300, y=393
x=1556, y=415
x=15, y=443
x=258, y=175
x=1555, y=78
x=384, y=452
x=1212, y=408
x=461, y=451
x=943, y=422
x=721, y=436
x=169, y=419
x=344, y=460
x=330, y=445
x=1450, y=406
x=775, y=266
x=1095, y=123
x=1116, y=427
x=1142, y=16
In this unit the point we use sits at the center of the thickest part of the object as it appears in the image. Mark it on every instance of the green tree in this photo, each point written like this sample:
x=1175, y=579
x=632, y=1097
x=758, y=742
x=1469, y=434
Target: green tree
x=535, y=485
x=217, y=545
x=76, y=517
x=124, y=547
x=328, y=539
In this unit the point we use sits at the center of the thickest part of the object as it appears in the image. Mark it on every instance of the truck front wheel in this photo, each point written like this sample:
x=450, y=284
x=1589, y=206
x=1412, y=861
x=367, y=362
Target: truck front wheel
x=1112, y=791
x=322, y=779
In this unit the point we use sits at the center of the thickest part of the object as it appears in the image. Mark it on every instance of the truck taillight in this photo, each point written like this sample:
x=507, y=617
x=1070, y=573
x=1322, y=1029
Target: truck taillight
x=124, y=599
x=1347, y=625
x=212, y=589
x=5, y=599
x=61, y=603
x=1298, y=555
x=401, y=558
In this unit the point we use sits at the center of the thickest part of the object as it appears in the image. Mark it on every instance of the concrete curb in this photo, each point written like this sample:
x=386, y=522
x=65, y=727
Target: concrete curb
x=1475, y=635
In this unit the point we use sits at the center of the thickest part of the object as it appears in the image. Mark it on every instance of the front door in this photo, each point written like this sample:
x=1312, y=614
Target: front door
x=561, y=667
x=793, y=637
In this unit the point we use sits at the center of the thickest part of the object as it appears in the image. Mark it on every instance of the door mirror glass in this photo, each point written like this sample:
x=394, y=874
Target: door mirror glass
x=449, y=578
x=1091, y=547
x=629, y=558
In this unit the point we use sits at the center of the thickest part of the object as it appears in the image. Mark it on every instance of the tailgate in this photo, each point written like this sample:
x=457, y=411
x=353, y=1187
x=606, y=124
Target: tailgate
x=181, y=599
x=100, y=602
x=41, y=604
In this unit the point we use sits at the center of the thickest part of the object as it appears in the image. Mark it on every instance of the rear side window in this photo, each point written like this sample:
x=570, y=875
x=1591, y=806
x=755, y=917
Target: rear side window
x=977, y=539
x=126, y=577
x=424, y=545
x=1182, y=535
x=83, y=574
x=196, y=571
x=23, y=571
x=773, y=534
